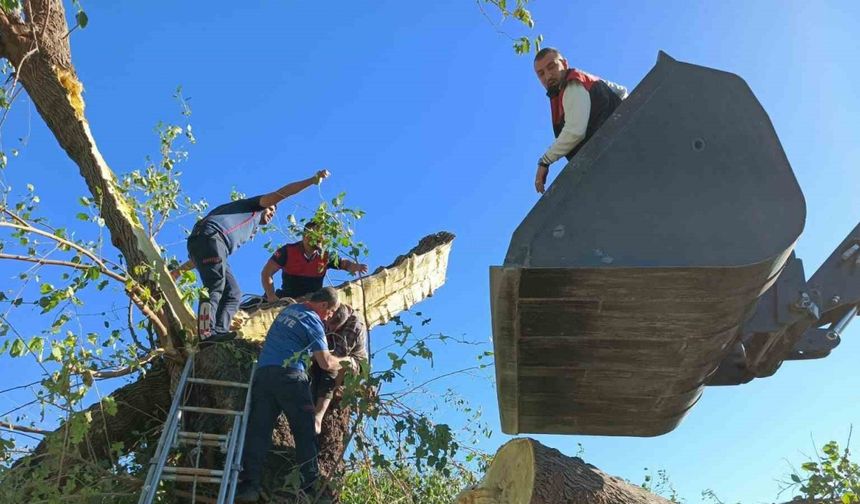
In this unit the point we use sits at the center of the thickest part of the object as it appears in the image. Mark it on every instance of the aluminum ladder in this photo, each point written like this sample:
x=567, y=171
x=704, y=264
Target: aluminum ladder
x=173, y=437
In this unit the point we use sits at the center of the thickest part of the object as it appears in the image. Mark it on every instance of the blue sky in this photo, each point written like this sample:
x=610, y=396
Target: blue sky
x=429, y=122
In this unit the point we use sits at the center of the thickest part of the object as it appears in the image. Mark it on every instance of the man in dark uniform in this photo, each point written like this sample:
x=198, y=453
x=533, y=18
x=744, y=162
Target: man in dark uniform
x=219, y=234
x=281, y=386
x=303, y=267
x=580, y=104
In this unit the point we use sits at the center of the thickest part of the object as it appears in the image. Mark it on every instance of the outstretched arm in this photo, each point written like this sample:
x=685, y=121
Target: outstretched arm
x=269, y=269
x=273, y=198
x=353, y=267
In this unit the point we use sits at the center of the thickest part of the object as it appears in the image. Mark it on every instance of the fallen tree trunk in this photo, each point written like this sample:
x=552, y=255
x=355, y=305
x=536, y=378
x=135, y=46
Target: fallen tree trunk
x=527, y=472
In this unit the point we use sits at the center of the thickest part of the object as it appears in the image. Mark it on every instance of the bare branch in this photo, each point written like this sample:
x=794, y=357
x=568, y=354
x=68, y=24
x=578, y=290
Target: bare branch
x=126, y=370
x=53, y=262
x=132, y=289
x=20, y=428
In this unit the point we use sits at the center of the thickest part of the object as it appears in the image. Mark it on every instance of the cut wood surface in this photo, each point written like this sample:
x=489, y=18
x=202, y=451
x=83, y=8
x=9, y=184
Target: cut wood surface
x=527, y=472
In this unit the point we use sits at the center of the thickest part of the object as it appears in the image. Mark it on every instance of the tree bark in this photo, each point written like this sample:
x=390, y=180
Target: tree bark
x=38, y=48
x=527, y=472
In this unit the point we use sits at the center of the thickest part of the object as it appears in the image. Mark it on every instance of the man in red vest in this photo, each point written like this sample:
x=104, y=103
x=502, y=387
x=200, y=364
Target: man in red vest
x=303, y=267
x=580, y=103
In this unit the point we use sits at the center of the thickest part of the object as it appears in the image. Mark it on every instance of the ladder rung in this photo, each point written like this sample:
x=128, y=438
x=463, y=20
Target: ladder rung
x=211, y=411
x=203, y=435
x=195, y=442
x=190, y=479
x=193, y=471
x=222, y=383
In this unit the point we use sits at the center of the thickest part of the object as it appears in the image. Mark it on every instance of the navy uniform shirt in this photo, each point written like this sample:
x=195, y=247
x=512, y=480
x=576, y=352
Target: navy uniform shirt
x=296, y=332
x=236, y=221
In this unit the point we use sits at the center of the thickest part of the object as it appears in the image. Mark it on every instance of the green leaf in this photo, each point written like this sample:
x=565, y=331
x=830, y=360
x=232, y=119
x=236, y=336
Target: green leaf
x=57, y=353
x=36, y=346
x=82, y=19
x=795, y=478
x=17, y=348
x=82, y=216
x=46, y=288
x=109, y=405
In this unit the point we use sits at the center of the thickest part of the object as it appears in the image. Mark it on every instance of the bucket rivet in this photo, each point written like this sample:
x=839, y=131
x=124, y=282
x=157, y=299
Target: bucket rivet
x=698, y=145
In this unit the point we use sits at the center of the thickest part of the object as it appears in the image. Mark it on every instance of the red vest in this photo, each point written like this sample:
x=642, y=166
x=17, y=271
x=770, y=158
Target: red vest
x=297, y=264
x=603, y=103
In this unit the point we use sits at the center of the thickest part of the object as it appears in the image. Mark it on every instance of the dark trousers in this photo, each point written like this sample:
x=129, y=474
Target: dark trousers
x=277, y=390
x=209, y=254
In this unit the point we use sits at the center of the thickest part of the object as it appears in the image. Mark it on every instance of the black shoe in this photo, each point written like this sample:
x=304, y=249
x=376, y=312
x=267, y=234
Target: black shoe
x=222, y=337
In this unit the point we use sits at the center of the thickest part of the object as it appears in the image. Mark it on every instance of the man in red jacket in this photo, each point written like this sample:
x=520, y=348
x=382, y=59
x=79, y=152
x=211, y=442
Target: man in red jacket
x=580, y=103
x=303, y=267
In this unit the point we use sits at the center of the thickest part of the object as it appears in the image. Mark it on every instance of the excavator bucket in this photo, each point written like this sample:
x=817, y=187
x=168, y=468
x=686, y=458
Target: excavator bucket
x=626, y=284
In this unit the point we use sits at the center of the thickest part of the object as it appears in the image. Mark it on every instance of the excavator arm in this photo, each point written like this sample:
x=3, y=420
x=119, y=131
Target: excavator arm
x=797, y=319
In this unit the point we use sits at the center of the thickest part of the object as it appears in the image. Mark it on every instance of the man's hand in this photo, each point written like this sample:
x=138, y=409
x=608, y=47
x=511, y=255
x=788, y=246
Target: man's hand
x=175, y=274
x=356, y=268
x=540, y=178
x=321, y=175
x=272, y=297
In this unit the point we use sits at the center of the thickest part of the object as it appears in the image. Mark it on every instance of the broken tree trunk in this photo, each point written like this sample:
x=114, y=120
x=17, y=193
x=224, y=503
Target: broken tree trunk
x=379, y=296
x=527, y=472
x=38, y=47
x=389, y=290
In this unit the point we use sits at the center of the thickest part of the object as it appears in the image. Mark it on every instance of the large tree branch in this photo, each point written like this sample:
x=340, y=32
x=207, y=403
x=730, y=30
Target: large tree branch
x=49, y=79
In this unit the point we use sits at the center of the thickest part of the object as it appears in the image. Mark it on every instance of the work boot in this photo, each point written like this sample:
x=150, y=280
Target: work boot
x=246, y=492
x=218, y=338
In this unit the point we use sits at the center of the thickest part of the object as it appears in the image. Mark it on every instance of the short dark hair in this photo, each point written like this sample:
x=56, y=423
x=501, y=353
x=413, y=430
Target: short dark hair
x=545, y=52
x=327, y=295
x=310, y=226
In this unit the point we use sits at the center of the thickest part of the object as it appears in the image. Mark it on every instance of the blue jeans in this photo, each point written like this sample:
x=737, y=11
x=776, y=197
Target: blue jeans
x=209, y=254
x=277, y=389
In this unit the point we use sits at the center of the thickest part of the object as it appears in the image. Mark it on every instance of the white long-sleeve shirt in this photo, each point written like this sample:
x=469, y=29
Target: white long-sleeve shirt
x=577, y=110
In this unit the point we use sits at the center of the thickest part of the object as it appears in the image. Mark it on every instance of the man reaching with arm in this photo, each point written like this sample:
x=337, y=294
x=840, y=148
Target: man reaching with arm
x=303, y=267
x=580, y=104
x=219, y=234
x=281, y=385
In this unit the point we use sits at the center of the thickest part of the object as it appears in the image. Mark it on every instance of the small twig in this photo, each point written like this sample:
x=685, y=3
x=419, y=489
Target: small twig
x=10, y=389
x=54, y=262
x=21, y=428
x=125, y=370
x=131, y=325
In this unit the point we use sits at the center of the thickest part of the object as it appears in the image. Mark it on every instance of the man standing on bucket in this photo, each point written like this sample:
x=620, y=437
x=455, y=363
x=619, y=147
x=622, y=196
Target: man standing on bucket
x=218, y=235
x=580, y=103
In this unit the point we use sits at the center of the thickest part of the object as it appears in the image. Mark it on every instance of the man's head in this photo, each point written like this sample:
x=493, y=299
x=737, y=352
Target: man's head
x=324, y=302
x=338, y=318
x=309, y=242
x=268, y=214
x=550, y=67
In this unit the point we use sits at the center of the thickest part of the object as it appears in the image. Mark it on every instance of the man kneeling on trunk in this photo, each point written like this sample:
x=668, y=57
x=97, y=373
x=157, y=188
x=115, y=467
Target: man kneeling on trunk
x=281, y=385
x=347, y=337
